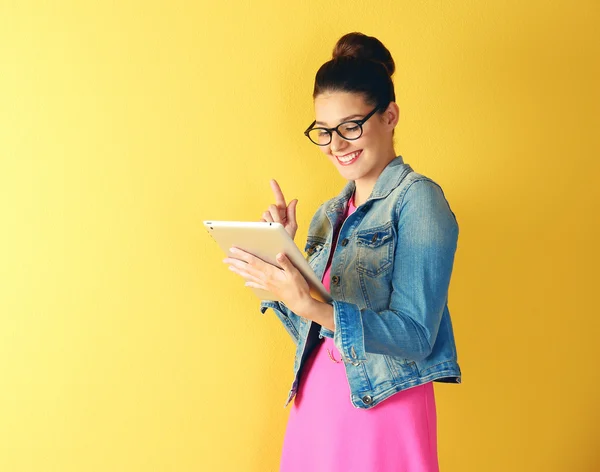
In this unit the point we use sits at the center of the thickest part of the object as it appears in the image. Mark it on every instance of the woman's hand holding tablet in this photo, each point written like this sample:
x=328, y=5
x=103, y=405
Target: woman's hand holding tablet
x=287, y=283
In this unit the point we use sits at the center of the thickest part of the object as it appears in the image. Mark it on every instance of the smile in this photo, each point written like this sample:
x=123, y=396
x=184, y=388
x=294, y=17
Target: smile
x=349, y=158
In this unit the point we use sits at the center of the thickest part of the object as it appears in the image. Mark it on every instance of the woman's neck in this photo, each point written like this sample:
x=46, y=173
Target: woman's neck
x=364, y=186
x=362, y=192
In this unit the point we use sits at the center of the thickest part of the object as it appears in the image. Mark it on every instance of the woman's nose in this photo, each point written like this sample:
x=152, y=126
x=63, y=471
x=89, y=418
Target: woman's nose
x=337, y=142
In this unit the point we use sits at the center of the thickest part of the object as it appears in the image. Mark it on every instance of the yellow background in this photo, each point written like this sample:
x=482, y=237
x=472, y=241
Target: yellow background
x=126, y=345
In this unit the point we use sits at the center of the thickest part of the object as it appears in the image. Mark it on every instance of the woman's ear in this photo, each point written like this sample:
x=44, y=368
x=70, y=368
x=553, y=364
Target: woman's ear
x=391, y=115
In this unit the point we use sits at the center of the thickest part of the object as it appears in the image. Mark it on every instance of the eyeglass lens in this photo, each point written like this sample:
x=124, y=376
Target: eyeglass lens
x=349, y=130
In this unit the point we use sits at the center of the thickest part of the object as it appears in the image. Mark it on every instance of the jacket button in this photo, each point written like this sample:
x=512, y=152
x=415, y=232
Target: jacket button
x=335, y=279
x=374, y=238
x=367, y=399
x=345, y=241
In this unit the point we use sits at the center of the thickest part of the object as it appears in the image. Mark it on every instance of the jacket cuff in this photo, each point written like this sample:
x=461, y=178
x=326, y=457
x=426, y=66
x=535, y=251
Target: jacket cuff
x=266, y=304
x=349, y=332
x=286, y=316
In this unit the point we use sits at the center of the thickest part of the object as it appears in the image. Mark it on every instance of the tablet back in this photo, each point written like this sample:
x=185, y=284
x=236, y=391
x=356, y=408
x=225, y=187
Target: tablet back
x=265, y=240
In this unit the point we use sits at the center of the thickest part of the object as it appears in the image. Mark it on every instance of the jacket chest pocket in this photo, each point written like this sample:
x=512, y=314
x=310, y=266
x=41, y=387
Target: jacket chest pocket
x=375, y=250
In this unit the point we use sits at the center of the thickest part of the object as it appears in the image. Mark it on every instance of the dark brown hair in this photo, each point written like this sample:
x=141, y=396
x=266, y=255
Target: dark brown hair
x=360, y=64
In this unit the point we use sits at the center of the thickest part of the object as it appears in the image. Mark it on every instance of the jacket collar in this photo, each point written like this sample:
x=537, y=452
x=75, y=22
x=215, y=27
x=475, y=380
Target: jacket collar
x=387, y=181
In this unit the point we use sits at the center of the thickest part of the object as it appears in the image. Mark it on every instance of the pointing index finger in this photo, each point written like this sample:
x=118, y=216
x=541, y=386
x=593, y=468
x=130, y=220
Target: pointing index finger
x=279, y=198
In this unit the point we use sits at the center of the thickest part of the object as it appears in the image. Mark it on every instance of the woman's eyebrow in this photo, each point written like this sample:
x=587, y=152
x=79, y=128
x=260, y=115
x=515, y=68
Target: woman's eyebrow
x=341, y=121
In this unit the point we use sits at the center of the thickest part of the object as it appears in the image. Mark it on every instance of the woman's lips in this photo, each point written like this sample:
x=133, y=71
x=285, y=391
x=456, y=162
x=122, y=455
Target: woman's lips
x=349, y=158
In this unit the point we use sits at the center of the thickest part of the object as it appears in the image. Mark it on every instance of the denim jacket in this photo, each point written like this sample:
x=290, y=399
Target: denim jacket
x=390, y=274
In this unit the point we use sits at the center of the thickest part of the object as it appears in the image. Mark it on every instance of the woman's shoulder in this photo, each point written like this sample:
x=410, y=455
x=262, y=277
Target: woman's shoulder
x=421, y=194
x=403, y=182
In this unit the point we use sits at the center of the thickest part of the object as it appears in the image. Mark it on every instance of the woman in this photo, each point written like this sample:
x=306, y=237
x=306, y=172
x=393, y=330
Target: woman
x=384, y=247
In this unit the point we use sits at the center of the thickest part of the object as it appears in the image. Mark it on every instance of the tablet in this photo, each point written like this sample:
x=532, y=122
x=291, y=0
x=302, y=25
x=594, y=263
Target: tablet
x=265, y=240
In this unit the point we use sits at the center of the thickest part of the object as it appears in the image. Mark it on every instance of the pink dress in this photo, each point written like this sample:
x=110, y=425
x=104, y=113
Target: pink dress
x=326, y=433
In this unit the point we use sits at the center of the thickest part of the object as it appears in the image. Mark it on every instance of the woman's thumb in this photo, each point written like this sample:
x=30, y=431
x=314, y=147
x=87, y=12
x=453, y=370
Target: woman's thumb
x=283, y=261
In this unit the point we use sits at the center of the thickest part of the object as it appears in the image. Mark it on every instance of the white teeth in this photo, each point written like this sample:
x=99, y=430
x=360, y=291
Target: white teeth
x=349, y=157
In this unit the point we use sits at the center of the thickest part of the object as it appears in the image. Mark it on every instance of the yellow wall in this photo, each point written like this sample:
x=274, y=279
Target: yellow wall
x=124, y=124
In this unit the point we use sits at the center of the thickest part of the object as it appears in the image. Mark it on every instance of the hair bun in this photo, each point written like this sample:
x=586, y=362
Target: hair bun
x=360, y=46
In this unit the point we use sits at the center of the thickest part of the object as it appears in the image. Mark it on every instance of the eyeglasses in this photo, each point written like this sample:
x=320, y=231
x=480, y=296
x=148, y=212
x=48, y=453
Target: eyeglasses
x=349, y=130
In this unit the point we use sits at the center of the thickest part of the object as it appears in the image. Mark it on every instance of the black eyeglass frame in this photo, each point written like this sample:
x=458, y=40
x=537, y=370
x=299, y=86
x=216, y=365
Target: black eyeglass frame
x=330, y=131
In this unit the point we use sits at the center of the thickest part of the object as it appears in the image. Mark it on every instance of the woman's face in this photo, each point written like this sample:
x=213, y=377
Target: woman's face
x=365, y=157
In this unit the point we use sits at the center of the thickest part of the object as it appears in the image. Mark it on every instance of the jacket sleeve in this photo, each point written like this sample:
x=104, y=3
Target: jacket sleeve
x=427, y=235
x=289, y=319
